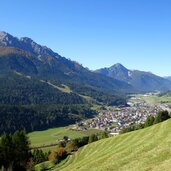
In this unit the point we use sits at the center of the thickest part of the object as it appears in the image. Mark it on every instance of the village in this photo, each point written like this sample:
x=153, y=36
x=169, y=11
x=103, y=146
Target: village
x=114, y=120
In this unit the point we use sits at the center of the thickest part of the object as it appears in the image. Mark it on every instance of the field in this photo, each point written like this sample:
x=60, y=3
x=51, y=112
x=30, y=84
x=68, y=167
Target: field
x=157, y=99
x=64, y=88
x=48, y=137
x=153, y=99
x=143, y=150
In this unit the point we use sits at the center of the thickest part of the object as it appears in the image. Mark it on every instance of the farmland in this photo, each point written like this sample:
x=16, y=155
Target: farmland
x=48, y=137
x=153, y=99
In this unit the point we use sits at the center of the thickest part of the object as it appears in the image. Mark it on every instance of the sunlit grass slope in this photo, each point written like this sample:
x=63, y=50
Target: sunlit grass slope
x=146, y=149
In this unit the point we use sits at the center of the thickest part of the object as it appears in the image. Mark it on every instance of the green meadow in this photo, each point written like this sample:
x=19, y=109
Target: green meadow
x=153, y=99
x=142, y=150
x=50, y=136
x=158, y=99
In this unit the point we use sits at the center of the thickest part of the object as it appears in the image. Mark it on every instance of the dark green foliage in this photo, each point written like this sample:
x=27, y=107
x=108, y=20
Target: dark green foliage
x=128, y=129
x=162, y=116
x=149, y=121
x=14, y=151
x=65, y=138
x=110, y=98
x=103, y=135
x=40, y=117
x=71, y=146
x=62, y=144
x=92, y=138
x=18, y=90
x=74, y=144
x=139, y=126
x=82, y=141
x=39, y=156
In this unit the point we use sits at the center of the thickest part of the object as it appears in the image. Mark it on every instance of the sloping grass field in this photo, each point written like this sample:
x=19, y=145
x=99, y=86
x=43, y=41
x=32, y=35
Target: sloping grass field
x=142, y=150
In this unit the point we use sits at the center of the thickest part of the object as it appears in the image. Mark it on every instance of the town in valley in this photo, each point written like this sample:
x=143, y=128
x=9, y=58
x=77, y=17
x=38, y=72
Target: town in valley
x=114, y=119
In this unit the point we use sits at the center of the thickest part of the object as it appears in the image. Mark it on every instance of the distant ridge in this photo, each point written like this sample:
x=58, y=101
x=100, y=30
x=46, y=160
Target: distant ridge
x=145, y=81
x=168, y=78
x=29, y=58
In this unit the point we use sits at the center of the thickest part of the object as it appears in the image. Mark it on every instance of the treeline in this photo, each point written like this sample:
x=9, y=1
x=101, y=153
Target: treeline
x=167, y=93
x=40, y=117
x=151, y=120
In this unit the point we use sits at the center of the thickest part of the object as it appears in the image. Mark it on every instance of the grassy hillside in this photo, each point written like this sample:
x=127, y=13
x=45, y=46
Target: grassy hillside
x=146, y=149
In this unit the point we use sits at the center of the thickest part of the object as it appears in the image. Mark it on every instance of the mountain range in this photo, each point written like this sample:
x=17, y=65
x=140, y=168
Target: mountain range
x=168, y=77
x=29, y=58
x=144, y=81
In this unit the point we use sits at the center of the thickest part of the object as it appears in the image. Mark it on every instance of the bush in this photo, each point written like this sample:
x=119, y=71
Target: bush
x=39, y=156
x=161, y=116
x=92, y=138
x=149, y=121
x=58, y=155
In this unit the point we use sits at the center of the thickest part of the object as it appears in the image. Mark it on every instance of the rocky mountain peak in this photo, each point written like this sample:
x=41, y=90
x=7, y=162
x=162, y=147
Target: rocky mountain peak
x=26, y=40
x=2, y=34
x=118, y=66
x=7, y=40
x=25, y=44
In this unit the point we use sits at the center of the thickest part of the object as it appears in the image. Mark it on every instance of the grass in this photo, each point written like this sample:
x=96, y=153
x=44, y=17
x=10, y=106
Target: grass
x=143, y=150
x=63, y=88
x=47, y=137
x=157, y=99
x=96, y=107
x=42, y=166
x=153, y=99
x=88, y=99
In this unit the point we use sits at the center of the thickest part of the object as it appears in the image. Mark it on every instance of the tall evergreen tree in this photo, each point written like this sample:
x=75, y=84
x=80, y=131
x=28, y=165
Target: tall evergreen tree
x=14, y=151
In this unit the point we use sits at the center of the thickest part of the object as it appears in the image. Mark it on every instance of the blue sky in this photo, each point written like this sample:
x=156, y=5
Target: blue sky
x=97, y=33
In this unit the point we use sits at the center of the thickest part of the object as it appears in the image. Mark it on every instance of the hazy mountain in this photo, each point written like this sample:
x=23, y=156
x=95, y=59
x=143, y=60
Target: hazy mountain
x=168, y=78
x=141, y=80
